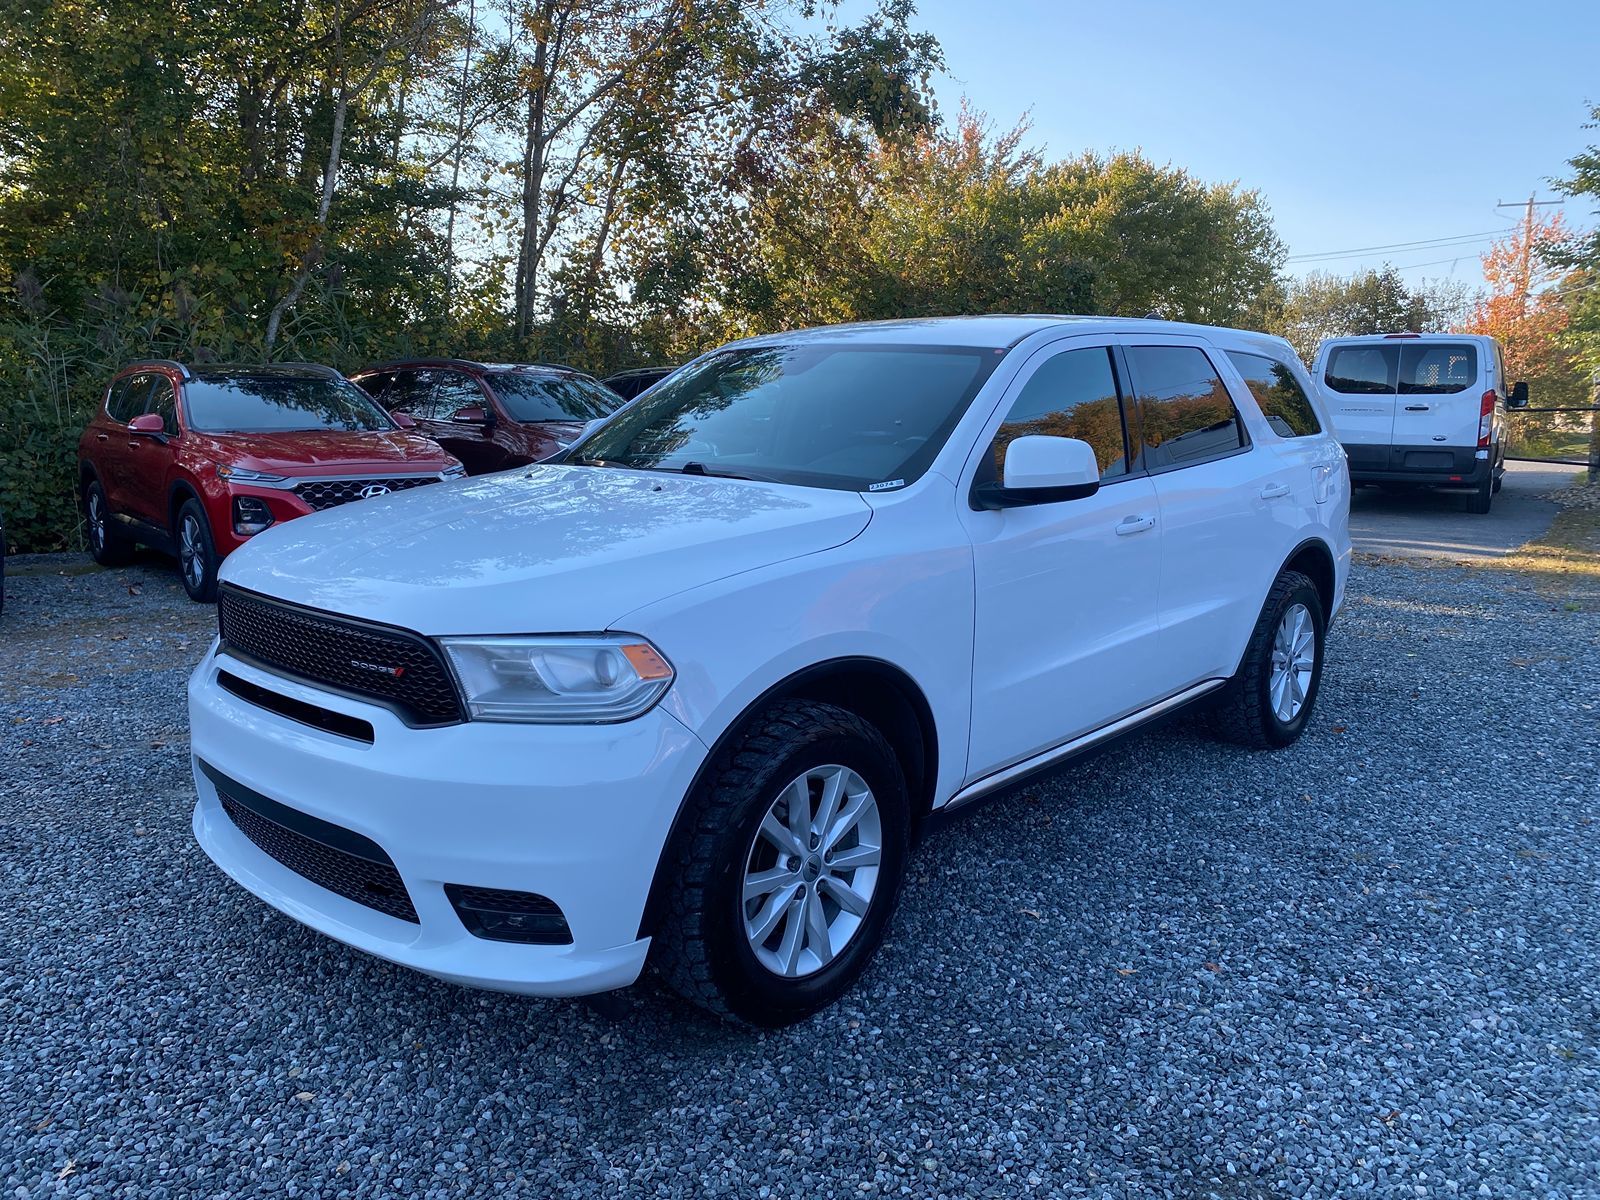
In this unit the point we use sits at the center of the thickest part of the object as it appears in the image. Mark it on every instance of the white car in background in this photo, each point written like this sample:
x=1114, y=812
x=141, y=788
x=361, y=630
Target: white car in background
x=1422, y=409
x=688, y=695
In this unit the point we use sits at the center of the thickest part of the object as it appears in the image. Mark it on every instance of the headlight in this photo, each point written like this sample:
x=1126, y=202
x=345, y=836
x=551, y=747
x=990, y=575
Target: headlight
x=597, y=678
x=240, y=475
x=455, y=472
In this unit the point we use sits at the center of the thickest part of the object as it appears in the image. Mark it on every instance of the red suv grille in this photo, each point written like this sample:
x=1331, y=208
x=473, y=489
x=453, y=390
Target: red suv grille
x=328, y=493
x=393, y=667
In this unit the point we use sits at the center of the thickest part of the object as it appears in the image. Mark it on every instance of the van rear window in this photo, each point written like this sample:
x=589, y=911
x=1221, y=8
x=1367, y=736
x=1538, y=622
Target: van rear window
x=1363, y=369
x=1438, y=368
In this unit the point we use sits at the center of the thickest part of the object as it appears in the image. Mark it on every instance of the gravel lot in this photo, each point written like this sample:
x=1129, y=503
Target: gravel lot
x=1364, y=966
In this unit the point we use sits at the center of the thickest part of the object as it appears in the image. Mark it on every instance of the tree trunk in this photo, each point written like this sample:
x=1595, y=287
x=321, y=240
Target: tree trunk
x=455, y=168
x=533, y=168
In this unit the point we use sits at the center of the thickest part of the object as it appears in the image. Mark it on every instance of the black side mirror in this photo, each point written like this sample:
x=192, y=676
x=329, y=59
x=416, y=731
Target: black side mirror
x=1519, y=395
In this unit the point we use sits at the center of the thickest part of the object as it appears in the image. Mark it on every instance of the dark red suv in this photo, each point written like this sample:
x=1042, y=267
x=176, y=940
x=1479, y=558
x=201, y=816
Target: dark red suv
x=196, y=461
x=492, y=416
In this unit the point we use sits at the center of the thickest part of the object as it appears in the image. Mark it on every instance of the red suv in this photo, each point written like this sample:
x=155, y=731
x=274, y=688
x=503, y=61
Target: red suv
x=492, y=416
x=197, y=461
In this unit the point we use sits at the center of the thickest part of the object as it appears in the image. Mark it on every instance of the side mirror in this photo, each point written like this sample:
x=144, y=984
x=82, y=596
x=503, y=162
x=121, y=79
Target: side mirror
x=1042, y=470
x=471, y=415
x=1519, y=396
x=149, y=423
x=404, y=419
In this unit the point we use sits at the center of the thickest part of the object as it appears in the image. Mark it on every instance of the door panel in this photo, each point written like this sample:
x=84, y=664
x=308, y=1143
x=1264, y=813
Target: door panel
x=474, y=444
x=1221, y=500
x=128, y=400
x=1358, y=382
x=149, y=459
x=1439, y=395
x=1066, y=624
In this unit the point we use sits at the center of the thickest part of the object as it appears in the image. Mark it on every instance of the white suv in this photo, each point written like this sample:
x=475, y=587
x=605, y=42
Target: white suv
x=688, y=695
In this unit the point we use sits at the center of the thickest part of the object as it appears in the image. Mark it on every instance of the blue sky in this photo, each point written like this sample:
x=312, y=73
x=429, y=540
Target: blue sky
x=1363, y=123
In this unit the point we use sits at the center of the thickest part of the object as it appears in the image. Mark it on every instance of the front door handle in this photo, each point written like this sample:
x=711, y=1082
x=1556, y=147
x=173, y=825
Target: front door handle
x=1417, y=408
x=1273, y=490
x=1134, y=525
x=104, y=437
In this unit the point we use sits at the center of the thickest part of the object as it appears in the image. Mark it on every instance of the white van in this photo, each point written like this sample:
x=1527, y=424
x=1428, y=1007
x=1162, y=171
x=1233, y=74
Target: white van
x=1420, y=408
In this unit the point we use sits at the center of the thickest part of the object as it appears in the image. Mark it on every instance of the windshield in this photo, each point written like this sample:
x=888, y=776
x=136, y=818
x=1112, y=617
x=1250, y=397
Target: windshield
x=848, y=416
x=534, y=396
x=280, y=404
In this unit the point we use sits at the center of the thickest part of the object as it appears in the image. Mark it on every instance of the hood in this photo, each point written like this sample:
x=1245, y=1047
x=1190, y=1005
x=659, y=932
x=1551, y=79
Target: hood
x=325, y=451
x=547, y=549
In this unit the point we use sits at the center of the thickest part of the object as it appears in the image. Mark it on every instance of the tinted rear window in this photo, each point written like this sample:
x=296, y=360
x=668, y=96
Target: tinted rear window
x=279, y=404
x=1283, y=402
x=531, y=396
x=1187, y=414
x=1437, y=368
x=1358, y=370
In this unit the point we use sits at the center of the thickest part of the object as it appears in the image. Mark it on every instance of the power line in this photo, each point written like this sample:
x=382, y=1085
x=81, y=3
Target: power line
x=1424, y=243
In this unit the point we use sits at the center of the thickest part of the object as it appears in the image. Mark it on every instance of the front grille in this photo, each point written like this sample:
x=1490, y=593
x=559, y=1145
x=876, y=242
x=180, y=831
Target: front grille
x=328, y=493
x=330, y=856
x=393, y=667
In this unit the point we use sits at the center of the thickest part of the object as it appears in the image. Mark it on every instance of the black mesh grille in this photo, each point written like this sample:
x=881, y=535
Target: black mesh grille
x=513, y=916
x=326, y=493
x=374, y=662
x=371, y=881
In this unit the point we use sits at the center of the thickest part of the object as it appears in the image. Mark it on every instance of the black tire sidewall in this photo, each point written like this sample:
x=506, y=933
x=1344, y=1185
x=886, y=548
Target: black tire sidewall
x=1278, y=732
x=207, y=591
x=751, y=991
x=111, y=551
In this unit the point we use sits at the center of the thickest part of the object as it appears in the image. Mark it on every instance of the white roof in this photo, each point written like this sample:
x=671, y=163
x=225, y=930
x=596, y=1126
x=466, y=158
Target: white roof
x=1000, y=331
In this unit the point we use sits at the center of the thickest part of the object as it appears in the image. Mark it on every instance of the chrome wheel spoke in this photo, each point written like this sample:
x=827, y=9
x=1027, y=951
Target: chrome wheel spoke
x=794, y=935
x=776, y=832
x=845, y=896
x=854, y=807
x=765, y=921
x=828, y=807
x=856, y=856
x=764, y=883
x=819, y=940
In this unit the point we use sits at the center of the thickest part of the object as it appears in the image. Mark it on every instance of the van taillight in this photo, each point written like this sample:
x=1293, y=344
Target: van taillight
x=1485, y=419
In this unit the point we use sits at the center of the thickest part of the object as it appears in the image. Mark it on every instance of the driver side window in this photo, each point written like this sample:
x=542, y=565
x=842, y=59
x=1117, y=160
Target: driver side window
x=1073, y=394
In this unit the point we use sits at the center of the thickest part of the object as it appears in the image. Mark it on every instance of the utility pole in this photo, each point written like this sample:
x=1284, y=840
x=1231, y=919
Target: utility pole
x=1526, y=275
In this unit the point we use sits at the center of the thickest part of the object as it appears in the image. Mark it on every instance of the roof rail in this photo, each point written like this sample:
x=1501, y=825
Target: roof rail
x=168, y=364
x=319, y=368
x=426, y=361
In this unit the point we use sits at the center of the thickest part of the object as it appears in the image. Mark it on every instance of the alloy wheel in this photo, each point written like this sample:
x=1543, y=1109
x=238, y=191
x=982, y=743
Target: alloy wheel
x=191, y=552
x=1294, y=657
x=97, y=520
x=812, y=871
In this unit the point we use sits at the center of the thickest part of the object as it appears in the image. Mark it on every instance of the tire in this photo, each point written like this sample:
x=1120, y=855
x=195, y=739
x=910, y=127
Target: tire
x=1480, y=499
x=107, y=545
x=197, y=553
x=707, y=948
x=1247, y=712
x=1499, y=479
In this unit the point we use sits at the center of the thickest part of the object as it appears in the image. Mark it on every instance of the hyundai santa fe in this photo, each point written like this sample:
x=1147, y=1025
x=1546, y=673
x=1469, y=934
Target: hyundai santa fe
x=198, y=461
x=686, y=696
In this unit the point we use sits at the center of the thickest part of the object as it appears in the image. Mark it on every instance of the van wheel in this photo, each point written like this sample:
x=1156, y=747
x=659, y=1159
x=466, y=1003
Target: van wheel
x=1268, y=702
x=197, y=554
x=107, y=546
x=1499, y=479
x=791, y=868
x=1482, y=496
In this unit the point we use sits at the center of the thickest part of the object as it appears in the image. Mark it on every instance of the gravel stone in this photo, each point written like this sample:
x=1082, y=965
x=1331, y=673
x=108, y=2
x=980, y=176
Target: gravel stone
x=1364, y=966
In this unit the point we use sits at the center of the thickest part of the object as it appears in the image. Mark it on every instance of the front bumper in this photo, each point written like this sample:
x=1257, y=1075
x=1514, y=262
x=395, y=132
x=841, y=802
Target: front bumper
x=577, y=813
x=1435, y=466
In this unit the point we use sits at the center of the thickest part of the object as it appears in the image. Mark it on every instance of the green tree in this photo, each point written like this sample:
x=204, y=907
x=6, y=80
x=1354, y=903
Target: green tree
x=1323, y=306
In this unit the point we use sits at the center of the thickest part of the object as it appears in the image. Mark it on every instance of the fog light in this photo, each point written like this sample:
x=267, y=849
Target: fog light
x=250, y=515
x=505, y=916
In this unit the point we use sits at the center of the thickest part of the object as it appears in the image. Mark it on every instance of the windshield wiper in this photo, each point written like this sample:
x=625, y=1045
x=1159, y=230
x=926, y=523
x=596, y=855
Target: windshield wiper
x=699, y=468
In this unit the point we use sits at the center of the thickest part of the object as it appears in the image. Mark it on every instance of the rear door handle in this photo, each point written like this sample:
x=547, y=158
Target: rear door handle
x=1134, y=525
x=104, y=437
x=1417, y=407
x=1273, y=490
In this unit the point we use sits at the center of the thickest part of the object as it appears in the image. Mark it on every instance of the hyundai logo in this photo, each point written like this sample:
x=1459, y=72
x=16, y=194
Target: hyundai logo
x=374, y=489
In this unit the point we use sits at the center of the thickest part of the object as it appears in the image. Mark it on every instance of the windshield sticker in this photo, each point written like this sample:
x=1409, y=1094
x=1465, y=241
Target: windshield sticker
x=887, y=485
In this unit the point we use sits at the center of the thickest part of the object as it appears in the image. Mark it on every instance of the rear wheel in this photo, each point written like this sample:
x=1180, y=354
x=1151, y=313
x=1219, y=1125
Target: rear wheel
x=787, y=880
x=1483, y=495
x=197, y=554
x=107, y=546
x=1268, y=703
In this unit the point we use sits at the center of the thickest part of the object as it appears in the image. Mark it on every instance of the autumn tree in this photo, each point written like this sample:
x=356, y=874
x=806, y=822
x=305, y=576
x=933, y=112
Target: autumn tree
x=1323, y=305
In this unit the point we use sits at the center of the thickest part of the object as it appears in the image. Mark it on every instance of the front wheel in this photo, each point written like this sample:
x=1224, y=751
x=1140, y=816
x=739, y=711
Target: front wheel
x=197, y=554
x=1268, y=702
x=791, y=869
